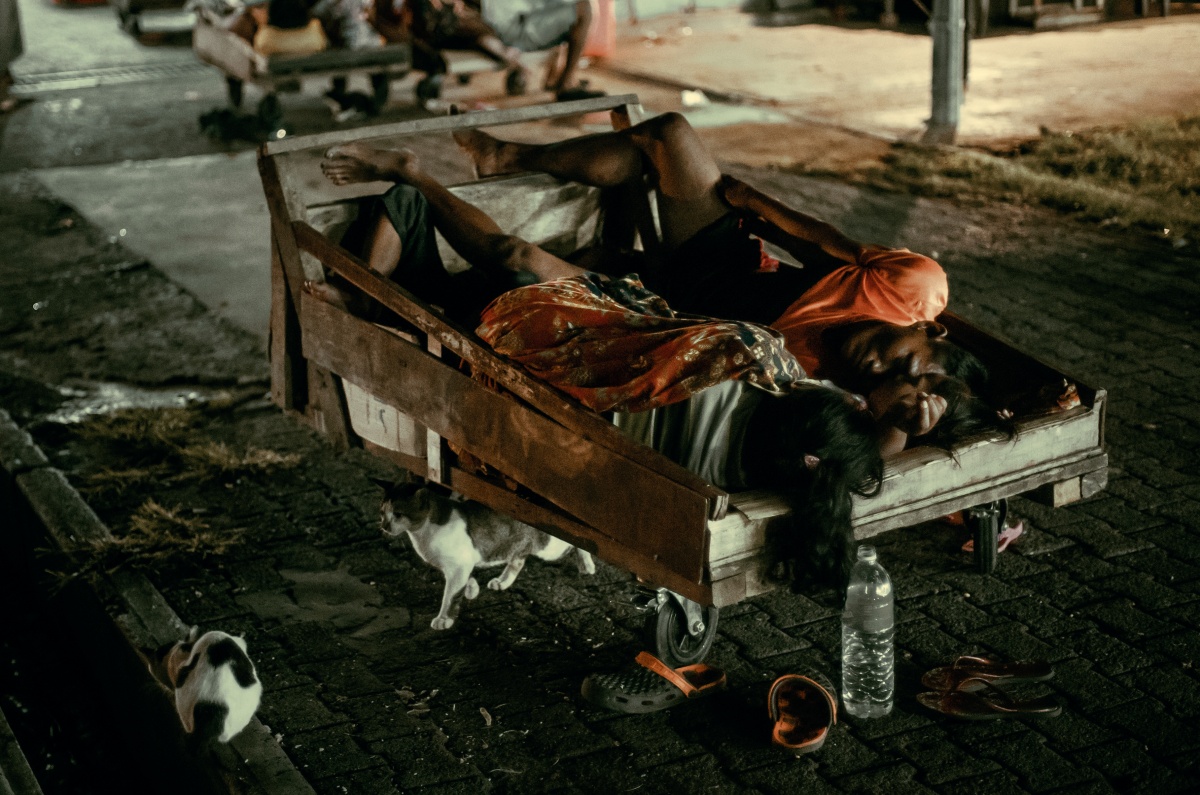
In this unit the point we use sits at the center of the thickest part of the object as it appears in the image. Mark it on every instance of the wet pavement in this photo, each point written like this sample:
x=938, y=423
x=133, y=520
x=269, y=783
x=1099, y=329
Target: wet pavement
x=364, y=697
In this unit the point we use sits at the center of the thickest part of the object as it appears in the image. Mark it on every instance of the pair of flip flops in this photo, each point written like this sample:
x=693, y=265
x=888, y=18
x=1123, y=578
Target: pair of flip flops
x=652, y=685
x=970, y=689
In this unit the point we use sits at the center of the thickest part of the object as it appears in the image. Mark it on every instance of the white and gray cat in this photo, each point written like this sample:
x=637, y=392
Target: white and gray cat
x=456, y=535
x=215, y=685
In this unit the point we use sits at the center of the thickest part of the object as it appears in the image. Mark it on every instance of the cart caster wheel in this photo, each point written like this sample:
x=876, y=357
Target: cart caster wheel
x=233, y=88
x=270, y=111
x=515, y=83
x=381, y=87
x=986, y=522
x=673, y=644
x=429, y=87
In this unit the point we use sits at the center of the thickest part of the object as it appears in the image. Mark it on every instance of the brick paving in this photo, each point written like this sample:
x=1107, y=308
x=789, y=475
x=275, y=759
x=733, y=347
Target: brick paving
x=365, y=698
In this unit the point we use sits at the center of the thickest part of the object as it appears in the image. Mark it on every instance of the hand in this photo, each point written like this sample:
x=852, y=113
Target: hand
x=733, y=191
x=918, y=417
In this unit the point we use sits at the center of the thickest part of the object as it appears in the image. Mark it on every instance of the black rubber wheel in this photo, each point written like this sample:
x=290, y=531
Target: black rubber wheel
x=233, y=88
x=270, y=110
x=430, y=87
x=515, y=83
x=672, y=643
x=381, y=87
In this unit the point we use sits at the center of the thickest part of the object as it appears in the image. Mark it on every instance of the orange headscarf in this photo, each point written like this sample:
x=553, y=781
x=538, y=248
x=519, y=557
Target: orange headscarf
x=892, y=285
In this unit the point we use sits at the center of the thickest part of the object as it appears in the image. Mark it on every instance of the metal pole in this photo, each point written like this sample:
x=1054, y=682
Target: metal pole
x=947, y=27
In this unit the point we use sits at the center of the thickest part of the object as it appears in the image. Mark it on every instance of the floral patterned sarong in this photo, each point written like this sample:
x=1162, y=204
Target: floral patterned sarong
x=614, y=345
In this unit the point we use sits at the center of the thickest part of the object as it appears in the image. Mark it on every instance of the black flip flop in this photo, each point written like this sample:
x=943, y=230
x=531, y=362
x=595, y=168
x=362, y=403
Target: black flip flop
x=980, y=669
x=982, y=700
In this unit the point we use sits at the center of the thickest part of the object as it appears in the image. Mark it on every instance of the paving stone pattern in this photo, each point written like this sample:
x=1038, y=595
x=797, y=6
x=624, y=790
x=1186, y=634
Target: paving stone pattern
x=366, y=698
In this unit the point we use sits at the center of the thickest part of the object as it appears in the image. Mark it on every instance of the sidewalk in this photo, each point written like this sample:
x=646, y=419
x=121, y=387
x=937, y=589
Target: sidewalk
x=878, y=81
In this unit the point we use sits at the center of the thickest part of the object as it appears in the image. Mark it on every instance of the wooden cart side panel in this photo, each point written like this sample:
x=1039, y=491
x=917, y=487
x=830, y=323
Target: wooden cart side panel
x=926, y=474
x=558, y=523
x=655, y=514
x=490, y=118
x=590, y=427
x=288, y=389
x=560, y=217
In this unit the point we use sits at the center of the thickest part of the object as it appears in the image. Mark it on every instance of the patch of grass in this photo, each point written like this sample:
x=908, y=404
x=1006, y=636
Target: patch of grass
x=165, y=445
x=156, y=537
x=141, y=431
x=120, y=480
x=211, y=460
x=1146, y=175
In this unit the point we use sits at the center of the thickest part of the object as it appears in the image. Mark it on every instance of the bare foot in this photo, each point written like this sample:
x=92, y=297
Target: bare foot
x=356, y=162
x=490, y=156
x=620, y=118
x=327, y=293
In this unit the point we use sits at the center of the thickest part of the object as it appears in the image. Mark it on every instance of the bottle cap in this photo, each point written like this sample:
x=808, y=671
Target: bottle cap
x=867, y=552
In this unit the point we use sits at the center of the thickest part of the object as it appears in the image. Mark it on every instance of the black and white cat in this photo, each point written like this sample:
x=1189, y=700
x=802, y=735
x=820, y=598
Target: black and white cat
x=456, y=535
x=216, y=688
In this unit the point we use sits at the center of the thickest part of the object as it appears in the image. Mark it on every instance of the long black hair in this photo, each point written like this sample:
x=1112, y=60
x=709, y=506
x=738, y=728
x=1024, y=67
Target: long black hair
x=967, y=416
x=818, y=450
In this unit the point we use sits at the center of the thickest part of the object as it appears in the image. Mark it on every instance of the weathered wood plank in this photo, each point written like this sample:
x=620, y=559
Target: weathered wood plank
x=327, y=406
x=918, y=475
x=665, y=520
x=738, y=542
x=590, y=426
x=487, y=118
x=288, y=382
x=562, y=525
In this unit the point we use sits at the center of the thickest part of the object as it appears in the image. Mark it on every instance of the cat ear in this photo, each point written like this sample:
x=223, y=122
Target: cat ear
x=193, y=634
x=386, y=485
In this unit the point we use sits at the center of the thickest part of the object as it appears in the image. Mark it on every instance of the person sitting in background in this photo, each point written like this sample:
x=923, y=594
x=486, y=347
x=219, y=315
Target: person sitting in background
x=289, y=29
x=347, y=24
x=532, y=25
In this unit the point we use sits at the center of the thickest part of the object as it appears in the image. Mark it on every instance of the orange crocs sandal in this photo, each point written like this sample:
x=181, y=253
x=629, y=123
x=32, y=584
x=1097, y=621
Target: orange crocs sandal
x=652, y=686
x=803, y=710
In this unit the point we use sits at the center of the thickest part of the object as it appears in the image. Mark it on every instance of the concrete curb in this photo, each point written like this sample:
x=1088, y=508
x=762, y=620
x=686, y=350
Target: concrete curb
x=45, y=501
x=16, y=776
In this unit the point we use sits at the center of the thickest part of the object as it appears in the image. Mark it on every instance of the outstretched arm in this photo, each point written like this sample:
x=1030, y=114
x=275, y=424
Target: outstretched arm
x=787, y=228
x=469, y=231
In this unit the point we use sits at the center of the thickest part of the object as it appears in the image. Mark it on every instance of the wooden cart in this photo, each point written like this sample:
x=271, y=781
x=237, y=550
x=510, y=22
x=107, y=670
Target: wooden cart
x=276, y=74
x=554, y=464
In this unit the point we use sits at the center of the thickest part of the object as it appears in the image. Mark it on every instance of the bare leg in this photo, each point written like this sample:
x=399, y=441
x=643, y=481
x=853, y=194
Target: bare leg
x=468, y=230
x=684, y=174
x=575, y=43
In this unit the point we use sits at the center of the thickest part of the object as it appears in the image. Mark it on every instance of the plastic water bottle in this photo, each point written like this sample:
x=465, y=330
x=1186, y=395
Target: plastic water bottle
x=868, y=626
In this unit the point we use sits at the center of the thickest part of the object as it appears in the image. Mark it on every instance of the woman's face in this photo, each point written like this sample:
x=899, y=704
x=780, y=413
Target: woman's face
x=881, y=350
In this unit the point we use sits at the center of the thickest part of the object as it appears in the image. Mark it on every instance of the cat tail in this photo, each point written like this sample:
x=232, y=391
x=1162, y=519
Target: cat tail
x=208, y=720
